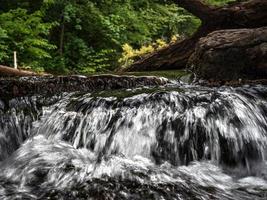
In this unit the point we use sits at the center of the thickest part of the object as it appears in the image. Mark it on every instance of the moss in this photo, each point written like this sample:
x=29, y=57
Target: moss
x=170, y=74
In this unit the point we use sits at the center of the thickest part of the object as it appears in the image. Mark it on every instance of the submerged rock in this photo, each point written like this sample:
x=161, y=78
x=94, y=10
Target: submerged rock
x=231, y=55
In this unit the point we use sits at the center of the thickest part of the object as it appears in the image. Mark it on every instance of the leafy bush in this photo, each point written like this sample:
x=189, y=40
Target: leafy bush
x=129, y=54
x=26, y=34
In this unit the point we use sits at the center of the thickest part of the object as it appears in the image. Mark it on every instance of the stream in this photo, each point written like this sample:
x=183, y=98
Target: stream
x=174, y=142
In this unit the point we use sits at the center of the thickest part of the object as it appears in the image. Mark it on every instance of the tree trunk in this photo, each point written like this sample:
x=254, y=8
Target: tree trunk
x=8, y=71
x=248, y=14
x=61, y=39
x=231, y=54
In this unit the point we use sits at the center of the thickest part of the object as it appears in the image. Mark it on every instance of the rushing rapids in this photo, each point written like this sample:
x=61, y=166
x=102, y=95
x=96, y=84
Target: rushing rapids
x=181, y=142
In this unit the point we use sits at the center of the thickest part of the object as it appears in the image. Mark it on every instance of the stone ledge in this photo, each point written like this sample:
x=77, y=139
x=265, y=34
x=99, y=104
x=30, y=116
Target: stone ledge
x=27, y=86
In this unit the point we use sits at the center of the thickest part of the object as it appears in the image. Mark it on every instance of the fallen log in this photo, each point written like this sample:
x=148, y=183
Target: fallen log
x=231, y=55
x=248, y=14
x=8, y=71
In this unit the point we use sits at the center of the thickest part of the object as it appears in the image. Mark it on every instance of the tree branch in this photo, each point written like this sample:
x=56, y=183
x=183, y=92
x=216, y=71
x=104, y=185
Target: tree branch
x=197, y=8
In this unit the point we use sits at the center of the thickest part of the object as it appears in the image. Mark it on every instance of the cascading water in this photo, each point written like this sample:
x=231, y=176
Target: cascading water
x=15, y=123
x=183, y=142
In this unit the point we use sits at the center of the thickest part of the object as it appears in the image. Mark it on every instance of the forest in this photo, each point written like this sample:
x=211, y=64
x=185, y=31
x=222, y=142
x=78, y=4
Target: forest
x=87, y=36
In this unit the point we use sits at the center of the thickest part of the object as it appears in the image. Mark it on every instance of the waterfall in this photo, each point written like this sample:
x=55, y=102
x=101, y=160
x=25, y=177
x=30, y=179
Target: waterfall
x=182, y=142
x=16, y=117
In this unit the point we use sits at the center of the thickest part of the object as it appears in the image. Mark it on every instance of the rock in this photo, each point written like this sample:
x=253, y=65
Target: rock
x=27, y=86
x=188, y=78
x=231, y=55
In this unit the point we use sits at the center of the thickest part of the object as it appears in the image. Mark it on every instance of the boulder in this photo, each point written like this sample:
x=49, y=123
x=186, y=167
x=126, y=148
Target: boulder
x=231, y=55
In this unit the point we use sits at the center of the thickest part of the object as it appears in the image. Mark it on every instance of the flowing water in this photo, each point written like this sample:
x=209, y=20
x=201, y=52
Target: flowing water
x=180, y=142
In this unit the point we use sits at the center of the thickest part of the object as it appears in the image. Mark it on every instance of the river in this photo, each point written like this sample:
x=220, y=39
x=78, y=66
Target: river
x=175, y=142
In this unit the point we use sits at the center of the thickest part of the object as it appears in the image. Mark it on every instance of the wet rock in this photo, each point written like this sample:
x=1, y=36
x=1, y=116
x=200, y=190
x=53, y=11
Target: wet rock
x=27, y=86
x=186, y=78
x=231, y=55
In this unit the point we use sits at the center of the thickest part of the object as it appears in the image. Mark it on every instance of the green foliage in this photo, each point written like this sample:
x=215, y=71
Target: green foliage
x=95, y=31
x=129, y=54
x=99, y=61
x=3, y=45
x=219, y=2
x=26, y=34
x=87, y=36
x=83, y=59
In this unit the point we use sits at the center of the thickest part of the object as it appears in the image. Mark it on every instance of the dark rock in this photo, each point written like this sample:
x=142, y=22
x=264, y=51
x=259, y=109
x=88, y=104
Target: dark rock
x=231, y=55
x=28, y=86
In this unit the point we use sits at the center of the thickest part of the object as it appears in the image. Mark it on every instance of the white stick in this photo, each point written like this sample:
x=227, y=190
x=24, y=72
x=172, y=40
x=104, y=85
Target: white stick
x=15, y=60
